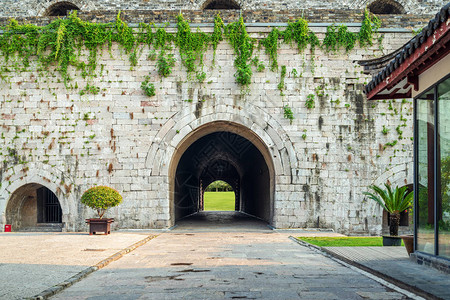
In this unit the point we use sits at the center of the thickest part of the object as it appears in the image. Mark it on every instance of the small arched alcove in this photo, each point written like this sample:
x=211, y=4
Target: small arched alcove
x=33, y=207
x=221, y=4
x=60, y=9
x=222, y=151
x=386, y=7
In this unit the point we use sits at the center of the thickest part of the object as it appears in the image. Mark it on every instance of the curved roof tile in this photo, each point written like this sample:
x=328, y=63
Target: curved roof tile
x=409, y=48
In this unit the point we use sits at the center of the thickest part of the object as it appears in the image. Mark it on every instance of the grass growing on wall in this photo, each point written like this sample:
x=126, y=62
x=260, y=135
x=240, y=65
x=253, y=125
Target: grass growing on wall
x=219, y=201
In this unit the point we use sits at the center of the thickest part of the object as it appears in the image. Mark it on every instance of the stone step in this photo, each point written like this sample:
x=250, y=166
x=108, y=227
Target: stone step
x=44, y=227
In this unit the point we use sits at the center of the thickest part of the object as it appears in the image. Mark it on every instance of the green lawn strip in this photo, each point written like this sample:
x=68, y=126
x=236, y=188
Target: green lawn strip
x=351, y=241
x=219, y=201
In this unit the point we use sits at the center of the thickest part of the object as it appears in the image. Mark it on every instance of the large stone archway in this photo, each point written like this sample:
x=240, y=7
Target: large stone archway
x=222, y=150
x=250, y=122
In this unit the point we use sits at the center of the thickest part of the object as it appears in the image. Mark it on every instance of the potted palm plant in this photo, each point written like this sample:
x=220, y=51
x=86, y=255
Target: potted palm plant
x=100, y=198
x=393, y=201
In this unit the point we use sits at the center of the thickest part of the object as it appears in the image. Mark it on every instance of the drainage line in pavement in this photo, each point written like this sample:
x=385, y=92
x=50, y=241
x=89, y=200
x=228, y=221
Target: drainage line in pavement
x=77, y=277
x=410, y=291
x=172, y=228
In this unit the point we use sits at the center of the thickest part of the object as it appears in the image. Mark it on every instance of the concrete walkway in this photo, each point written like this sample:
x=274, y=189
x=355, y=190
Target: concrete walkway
x=32, y=262
x=235, y=265
x=191, y=262
x=393, y=264
x=207, y=256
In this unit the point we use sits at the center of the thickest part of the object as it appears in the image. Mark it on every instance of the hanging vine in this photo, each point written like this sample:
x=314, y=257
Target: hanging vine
x=192, y=46
x=297, y=32
x=339, y=37
x=369, y=27
x=217, y=35
x=270, y=43
x=59, y=44
x=243, y=47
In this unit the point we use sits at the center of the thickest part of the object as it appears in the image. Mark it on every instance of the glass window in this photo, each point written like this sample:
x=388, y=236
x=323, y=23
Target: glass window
x=425, y=176
x=443, y=201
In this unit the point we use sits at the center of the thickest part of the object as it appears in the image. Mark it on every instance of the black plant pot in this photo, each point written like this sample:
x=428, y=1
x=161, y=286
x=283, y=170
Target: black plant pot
x=392, y=240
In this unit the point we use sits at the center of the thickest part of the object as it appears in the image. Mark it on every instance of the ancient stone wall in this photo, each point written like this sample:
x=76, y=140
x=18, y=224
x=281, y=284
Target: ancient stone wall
x=262, y=18
x=26, y=8
x=69, y=139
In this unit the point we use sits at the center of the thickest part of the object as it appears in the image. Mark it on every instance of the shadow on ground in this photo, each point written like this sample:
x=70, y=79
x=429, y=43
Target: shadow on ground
x=221, y=221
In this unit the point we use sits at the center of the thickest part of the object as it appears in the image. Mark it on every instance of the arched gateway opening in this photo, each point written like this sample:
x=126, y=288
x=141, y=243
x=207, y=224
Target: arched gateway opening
x=33, y=207
x=222, y=151
x=219, y=196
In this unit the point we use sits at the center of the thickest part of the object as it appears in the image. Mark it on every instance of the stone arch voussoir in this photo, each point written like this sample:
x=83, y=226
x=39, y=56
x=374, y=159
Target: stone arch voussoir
x=43, y=174
x=259, y=122
x=399, y=175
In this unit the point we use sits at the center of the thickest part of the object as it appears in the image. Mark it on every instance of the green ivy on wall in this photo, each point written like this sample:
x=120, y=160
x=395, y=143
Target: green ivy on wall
x=297, y=32
x=60, y=42
x=243, y=47
x=288, y=114
x=369, y=27
x=281, y=86
x=192, y=46
x=339, y=37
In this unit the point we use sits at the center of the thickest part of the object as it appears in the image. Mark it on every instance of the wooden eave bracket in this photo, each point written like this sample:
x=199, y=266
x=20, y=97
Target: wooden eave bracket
x=414, y=81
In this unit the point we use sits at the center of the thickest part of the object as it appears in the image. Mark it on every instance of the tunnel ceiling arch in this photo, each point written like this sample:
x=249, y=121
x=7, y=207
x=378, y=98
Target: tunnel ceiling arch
x=219, y=169
x=228, y=156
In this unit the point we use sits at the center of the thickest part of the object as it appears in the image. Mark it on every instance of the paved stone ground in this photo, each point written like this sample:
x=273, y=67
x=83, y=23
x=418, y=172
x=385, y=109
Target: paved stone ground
x=194, y=263
x=33, y=262
x=394, y=262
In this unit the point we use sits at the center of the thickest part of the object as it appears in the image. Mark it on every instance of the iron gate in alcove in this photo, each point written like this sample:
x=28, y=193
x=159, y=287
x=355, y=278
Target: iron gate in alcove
x=49, y=209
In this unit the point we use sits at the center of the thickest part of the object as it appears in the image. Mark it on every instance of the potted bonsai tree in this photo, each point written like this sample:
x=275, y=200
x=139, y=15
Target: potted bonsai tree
x=100, y=198
x=393, y=201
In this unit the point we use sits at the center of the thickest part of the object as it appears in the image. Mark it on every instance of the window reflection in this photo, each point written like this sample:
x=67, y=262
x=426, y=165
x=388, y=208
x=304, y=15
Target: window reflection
x=425, y=135
x=443, y=202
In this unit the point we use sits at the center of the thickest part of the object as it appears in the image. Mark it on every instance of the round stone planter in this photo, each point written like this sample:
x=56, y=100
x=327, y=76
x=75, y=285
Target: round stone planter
x=392, y=240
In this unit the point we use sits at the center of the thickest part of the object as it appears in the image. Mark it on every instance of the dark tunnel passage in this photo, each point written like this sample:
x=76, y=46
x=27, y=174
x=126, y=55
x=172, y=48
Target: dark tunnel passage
x=223, y=156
